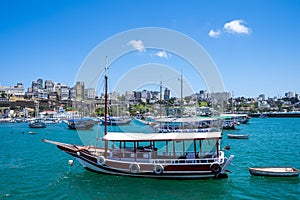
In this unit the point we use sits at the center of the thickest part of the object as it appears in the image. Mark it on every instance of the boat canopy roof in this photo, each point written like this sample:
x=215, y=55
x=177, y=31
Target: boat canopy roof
x=118, y=136
x=185, y=119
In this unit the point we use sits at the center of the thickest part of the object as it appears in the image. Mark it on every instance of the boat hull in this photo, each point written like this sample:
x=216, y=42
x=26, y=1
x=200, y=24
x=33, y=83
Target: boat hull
x=146, y=170
x=81, y=124
x=37, y=125
x=165, y=175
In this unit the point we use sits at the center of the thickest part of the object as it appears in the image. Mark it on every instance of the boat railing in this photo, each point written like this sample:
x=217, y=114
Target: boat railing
x=191, y=159
x=129, y=154
x=195, y=130
x=187, y=161
x=166, y=158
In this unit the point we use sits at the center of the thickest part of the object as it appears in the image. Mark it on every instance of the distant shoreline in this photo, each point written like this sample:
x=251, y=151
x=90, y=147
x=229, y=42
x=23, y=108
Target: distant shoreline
x=276, y=114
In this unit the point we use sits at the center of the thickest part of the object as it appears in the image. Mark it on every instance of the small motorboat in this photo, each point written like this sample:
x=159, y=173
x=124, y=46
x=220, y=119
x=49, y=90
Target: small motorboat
x=37, y=123
x=81, y=124
x=236, y=136
x=274, y=171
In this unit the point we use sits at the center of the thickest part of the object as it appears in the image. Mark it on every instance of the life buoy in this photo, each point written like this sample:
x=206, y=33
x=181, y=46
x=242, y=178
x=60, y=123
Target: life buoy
x=158, y=169
x=134, y=168
x=215, y=168
x=101, y=160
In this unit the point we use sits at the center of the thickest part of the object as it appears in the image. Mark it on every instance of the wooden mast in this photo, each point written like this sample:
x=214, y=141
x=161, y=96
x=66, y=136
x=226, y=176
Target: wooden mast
x=106, y=97
x=105, y=105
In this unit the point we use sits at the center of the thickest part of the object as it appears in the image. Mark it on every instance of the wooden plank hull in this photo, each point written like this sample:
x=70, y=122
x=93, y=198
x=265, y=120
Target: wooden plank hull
x=146, y=174
x=175, y=170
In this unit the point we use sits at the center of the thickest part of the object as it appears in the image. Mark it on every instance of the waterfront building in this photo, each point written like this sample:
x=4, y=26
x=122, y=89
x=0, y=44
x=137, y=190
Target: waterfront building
x=155, y=95
x=129, y=96
x=72, y=94
x=146, y=95
x=17, y=90
x=90, y=93
x=49, y=86
x=79, y=88
x=42, y=94
x=138, y=96
x=262, y=97
x=167, y=94
x=37, y=87
x=52, y=96
x=290, y=94
x=40, y=83
x=64, y=93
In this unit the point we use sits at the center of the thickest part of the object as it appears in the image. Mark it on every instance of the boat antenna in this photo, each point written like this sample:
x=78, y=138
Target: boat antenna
x=106, y=96
x=160, y=99
x=181, y=94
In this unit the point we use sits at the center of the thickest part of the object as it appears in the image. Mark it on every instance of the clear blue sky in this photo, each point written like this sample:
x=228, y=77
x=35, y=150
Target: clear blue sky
x=255, y=44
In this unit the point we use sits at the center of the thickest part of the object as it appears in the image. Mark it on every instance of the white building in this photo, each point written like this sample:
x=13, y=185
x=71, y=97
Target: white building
x=129, y=96
x=90, y=93
x=17, y=90
x=290, y=94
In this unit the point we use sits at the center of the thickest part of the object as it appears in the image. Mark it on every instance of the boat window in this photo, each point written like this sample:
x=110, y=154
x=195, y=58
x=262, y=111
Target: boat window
x=208, y=148
x=182, y=147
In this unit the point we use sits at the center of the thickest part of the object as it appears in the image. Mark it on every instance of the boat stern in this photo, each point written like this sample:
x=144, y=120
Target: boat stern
x=223, y=171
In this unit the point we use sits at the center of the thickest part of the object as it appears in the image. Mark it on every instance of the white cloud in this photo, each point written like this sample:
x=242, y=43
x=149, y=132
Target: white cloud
x=236, y=26
x=137, y=44
x=162, y=54
x=214, y=34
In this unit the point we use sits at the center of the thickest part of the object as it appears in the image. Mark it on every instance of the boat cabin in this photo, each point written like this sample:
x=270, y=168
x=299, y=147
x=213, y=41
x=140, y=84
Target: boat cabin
x=166, y=148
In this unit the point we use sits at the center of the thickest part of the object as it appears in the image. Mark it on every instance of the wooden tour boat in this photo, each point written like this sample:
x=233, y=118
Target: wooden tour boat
x=175, y=155
x=157, y=155
x=274, y=171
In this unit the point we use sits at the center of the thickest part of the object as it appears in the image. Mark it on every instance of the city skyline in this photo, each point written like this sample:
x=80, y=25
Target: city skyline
x=42, y=84
x=255, y=51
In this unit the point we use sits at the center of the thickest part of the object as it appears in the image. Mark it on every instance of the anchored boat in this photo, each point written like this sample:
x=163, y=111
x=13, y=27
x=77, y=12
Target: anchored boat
x=238, y=136
x=274, y=171
x=184, y=155
x=81, y=124
x=157, y=155
x=37, y=123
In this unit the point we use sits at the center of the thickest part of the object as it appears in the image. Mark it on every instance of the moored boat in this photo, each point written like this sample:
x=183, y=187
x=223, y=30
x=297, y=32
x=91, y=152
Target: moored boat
x=173, y=155
x=116, y=121
x=238, y=136
x=274, y=171
x=81, y=124
x=228, y=124
x=240, y=118
x=165, y=156
x=37, y=123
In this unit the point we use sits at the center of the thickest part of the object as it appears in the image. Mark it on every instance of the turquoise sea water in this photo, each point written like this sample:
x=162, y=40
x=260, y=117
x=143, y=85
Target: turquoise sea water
x=31, y=169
